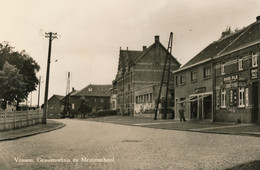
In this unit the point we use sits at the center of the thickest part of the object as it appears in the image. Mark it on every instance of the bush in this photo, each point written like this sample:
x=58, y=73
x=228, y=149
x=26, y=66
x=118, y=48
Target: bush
x=103, y=113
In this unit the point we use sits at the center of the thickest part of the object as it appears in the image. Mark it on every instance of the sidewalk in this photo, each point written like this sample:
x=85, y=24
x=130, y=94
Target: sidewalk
x=198, y=126
x=31, y=130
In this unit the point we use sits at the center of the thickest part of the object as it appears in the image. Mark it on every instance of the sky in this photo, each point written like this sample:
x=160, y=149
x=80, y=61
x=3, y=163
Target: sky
x=90, y=33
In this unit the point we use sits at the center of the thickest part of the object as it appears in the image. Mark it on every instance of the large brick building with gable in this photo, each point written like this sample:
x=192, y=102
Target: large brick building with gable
x=138, y=78
x=221, y=83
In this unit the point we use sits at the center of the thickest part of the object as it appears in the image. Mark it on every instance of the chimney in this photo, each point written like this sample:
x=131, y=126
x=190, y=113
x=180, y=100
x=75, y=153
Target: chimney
x=258, y=18
x=157, y=38
x=144, y=48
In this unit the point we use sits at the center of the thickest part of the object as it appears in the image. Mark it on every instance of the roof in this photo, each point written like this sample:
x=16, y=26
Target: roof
x=94, y=91
x=247, y=35
x=127, y=57
x=59, y=97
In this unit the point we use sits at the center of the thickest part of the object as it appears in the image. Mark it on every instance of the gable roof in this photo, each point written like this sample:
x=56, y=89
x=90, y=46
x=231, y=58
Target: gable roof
x=128, y=58
x=97, y=91
x=59, y=97
x=247, y=35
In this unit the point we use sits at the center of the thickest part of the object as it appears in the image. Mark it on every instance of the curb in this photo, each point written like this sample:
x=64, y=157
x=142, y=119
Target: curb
x=32, y=134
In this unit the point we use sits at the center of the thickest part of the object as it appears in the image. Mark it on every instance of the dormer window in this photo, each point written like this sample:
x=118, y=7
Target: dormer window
x=90, y=89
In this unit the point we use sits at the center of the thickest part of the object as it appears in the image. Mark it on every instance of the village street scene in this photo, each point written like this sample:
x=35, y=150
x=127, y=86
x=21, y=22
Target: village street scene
x=99, y=85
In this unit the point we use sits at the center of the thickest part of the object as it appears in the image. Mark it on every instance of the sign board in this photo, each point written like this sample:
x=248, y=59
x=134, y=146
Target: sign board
x=229, y=79
x=234, y=97
x=200, y=90
x=231, y=99
x=254, y=73
x=217, y=98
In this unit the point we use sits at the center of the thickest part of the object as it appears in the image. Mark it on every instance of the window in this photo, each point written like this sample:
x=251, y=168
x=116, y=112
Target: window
x=240, y=63
x=113, y=104
x=254, y=59
x=193, y=76
x=137, y=99
x=151, y=97
x=177, y=80
x=90, y=89
x=207, y=72
x=223, y=98
x=223, y=68
x=183, y=79
x=241, y=93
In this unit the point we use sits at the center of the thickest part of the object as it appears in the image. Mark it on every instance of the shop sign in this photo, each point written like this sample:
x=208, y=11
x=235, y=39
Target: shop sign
x=217, y=98
x=231, y=99
x=229, y=79
x=200, y=90
x=254, y=73
x=247, y=102
x=235, y=97
x=242, y=84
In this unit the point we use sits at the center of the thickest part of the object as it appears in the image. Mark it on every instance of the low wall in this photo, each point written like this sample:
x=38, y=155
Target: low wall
x=18, y=119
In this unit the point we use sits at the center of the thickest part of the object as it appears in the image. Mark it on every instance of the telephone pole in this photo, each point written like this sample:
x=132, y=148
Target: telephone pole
x=167, y=58
x=51, y=37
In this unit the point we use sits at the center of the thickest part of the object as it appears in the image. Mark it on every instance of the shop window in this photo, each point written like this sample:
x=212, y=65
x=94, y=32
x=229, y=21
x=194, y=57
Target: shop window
x=183, y=79
x=254, y=59
x=240, y=63
x=241, y=93
x=223, y=98
x=222, y=68
x=193, y=76
x=207, y=72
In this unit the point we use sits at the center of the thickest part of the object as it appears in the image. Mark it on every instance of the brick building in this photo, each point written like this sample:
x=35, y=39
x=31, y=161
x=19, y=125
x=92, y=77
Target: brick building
x=97, y=97
x=55, y=107
x=138, y=78
x=221, y=82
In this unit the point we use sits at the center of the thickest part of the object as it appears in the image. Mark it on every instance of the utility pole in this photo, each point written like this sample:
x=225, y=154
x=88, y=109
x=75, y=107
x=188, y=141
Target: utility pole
x=167, y=58
x=51, y=37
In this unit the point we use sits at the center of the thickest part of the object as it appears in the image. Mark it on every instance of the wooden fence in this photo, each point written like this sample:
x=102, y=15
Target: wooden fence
x=17, y=119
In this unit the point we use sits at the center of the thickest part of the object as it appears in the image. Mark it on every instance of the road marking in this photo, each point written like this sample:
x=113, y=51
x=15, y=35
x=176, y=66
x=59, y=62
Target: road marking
x=221, y=127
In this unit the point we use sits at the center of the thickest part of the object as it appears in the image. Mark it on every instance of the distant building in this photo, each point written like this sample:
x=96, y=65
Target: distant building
x=135, y=88
x=55, y=107
x=221, y=83
x=97, y=96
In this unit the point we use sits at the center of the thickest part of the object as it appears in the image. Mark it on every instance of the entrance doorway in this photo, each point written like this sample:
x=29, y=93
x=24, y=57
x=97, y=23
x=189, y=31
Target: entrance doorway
x=255, y=102
x=207, y=107
x=194, y=109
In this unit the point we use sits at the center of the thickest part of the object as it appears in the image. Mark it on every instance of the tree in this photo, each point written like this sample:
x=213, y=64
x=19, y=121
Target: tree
x=84, y=106
x=11, y=84
x=26, y=67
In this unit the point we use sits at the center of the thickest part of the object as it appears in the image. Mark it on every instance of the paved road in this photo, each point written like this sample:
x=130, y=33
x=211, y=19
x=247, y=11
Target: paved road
x=126, y=147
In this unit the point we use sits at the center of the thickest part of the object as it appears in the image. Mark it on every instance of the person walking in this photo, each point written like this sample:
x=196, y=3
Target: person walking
x=181, y=112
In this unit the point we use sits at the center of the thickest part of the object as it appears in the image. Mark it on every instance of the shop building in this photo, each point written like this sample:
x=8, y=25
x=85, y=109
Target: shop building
x=221, y=83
